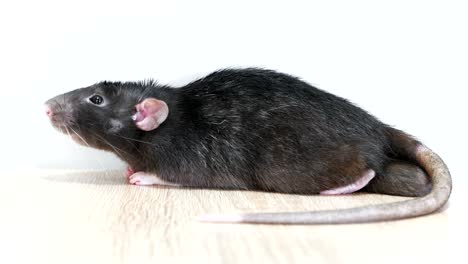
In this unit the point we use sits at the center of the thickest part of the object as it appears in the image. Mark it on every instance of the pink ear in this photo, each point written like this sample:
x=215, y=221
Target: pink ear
x=150, y=114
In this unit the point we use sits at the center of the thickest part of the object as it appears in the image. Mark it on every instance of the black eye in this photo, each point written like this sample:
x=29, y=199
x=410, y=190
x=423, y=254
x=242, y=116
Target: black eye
x=96, y=99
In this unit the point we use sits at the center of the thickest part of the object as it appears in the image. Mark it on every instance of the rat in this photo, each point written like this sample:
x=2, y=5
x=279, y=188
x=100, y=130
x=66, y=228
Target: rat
x=260, y=130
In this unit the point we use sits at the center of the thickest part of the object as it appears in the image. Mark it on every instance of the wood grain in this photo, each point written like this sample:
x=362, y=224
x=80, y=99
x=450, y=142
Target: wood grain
x=96, y=217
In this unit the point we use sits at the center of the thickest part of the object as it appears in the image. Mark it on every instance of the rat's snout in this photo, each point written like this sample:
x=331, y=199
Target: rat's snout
x=57, y=113
x=51, y=108
x=48, y=110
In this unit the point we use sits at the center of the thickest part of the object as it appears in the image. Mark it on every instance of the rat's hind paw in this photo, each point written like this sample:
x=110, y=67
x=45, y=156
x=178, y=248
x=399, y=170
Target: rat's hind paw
x=353, y=187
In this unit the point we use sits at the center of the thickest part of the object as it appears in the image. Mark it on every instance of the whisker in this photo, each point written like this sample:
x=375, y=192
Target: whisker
x=118, y=135
x=82, y=139
x=68, y=132
x=129, y=142
x=93, y=128
x=100, y=164
x=132, y=139
x=114, y=147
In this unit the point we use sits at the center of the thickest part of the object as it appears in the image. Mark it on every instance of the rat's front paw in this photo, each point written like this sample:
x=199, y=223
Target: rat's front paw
x=143, y=178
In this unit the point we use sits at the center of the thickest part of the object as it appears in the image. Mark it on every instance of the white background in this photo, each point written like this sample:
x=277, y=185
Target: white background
x=404, y=61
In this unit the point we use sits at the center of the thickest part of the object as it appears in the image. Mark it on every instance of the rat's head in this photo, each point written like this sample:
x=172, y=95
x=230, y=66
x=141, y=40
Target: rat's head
x=106, y=115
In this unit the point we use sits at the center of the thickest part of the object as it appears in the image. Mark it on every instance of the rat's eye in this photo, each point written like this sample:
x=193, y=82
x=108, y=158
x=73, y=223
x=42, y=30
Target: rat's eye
x=96, y=99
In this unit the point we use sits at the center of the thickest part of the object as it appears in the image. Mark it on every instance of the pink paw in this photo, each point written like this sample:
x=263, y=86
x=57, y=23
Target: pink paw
x=143, y=178
x=353, y=187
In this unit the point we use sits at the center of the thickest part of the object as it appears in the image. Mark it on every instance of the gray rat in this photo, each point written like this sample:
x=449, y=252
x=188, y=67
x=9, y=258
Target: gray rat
x=256, y=129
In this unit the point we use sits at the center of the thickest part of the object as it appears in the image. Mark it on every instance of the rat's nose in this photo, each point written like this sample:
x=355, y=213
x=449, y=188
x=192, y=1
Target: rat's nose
x=48, y=110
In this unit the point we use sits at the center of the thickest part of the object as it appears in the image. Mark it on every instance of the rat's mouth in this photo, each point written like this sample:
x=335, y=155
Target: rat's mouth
x=60, y=119
x=59, y=114
x=62, y=124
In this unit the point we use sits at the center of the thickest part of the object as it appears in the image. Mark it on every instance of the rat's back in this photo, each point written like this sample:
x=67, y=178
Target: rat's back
x=260, y=129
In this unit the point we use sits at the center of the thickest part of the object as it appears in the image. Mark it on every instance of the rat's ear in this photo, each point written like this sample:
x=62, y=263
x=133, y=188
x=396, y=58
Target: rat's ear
x=150, y=114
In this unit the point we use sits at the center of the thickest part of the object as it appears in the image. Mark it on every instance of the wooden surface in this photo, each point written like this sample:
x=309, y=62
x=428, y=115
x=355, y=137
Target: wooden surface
x=96, y=217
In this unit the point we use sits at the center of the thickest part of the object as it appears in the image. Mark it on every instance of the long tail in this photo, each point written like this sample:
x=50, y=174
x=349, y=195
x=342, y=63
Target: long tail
x=402, y=145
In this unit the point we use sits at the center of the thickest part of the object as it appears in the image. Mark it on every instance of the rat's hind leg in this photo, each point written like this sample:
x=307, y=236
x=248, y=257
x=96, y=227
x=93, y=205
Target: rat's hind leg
x=401, y=178
x=348, y=171
x=144, y=178
x=352, y=187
